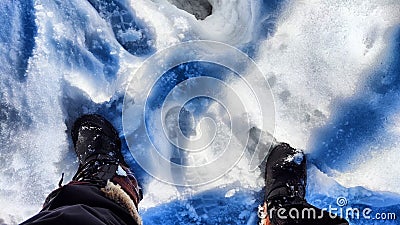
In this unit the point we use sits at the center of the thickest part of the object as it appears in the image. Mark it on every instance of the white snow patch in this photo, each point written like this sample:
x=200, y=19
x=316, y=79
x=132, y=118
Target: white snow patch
x=121, y=172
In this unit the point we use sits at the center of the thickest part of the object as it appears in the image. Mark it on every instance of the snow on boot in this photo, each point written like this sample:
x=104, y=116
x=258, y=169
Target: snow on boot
x=285, y=186
x=101, y=163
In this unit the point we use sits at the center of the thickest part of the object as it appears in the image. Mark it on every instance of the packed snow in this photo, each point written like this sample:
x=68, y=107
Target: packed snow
x=332, y=67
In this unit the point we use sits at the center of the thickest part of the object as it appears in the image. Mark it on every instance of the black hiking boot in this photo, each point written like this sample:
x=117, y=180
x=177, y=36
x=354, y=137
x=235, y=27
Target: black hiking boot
x=285, y=188
x=285, y=173
x=92, y=136
x=98, y=148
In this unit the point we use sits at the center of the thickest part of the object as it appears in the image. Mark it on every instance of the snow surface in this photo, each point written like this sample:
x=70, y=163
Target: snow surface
x=333, y=67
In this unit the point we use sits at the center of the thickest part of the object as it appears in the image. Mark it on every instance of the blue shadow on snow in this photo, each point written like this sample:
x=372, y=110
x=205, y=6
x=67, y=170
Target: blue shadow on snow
x=362, y=118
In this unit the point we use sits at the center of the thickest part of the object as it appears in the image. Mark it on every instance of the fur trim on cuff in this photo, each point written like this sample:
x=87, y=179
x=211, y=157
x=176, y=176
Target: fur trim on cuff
x=117, y=194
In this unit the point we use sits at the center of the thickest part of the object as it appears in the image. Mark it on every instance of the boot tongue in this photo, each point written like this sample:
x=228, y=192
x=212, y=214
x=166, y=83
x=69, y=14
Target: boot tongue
x=291, y=174
x=291, y=192
x=290, y=181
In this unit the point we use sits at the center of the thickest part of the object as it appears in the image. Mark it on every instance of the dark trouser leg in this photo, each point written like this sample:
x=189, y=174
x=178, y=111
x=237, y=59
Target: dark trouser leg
x=80, y=203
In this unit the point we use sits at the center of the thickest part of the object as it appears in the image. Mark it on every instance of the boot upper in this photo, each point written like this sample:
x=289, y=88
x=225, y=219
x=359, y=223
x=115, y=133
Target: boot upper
x=94, y=137
x=286, y=173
